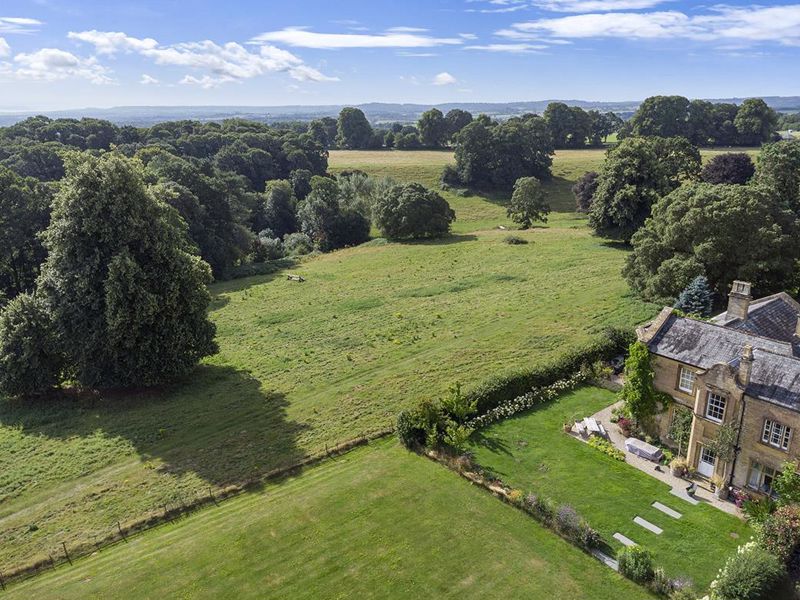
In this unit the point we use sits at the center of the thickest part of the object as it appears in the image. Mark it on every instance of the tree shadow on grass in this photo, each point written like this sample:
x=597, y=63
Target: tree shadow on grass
x=218, y=424
x=493, y=444
x=259, y=273
x=454, y=238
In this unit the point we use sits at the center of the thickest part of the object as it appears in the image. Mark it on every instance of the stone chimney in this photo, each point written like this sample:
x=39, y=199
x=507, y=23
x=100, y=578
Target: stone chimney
x=746, y=365
x=739, y=300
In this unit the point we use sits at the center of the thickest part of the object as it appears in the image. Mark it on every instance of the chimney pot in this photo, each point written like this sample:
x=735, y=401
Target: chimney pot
x=739, y=300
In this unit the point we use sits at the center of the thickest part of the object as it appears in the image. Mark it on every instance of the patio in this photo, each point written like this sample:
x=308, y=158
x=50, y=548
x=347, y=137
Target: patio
x=678, y=485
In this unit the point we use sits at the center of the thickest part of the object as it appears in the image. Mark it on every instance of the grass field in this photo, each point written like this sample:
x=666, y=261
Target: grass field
x=533, y=453
x=376, y=523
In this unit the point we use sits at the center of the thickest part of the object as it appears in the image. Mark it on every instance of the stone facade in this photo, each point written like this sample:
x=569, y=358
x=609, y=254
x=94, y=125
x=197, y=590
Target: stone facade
x=742, y=370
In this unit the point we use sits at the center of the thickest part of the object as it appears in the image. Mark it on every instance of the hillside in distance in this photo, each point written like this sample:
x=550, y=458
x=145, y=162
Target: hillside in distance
x=377, y=112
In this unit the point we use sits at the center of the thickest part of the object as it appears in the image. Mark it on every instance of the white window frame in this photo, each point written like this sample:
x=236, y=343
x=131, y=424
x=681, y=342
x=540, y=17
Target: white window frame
x=718, y=403
x=776, y=434
x=690, y=376
x=756, y=475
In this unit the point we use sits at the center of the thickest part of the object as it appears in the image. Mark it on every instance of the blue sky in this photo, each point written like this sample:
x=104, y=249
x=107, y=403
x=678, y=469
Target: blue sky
x=79, y=53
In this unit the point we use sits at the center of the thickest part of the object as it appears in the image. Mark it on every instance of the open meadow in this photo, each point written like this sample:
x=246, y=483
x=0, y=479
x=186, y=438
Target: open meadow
x=305, y=366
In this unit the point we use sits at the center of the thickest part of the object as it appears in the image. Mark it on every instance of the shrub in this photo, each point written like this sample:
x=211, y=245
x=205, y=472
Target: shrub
x=516, y=497
x=295, y=244
x=514, y=240
x=567, y=521
x=543, y=510
x=636, y=563
x=696, y=298
x=758, y=510
x=450, y=177
x=606, y=448
x=408, y=429
x=660, y=584
x=267, y=247
x=584, y=190
x=30, y=360
x=750, y=574
x=780, y=533
x=589, y=538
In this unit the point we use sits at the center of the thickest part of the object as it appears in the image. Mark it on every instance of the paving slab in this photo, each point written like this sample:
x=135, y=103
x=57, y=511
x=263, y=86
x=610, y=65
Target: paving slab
x=606, y=560
x=681, y=493
x=648, y=525
x=667, y=510
x=625, y=541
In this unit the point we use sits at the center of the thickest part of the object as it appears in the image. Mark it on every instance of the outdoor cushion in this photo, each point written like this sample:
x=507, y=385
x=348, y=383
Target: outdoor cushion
x=643, y=449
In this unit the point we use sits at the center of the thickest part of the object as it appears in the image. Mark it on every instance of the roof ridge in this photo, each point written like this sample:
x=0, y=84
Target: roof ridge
x=738, y=331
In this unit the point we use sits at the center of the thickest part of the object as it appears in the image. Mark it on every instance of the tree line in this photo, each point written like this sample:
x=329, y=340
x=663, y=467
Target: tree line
x=730, y=219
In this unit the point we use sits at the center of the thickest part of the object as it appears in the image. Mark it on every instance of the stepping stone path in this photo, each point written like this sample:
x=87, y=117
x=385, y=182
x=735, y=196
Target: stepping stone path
x=681, y=493
x=606, y=560
x=648, y=525
x=667, y=510
x=625, y=541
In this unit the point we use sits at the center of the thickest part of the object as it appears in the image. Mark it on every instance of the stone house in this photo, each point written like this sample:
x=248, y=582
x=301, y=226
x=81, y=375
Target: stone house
x=740, y=368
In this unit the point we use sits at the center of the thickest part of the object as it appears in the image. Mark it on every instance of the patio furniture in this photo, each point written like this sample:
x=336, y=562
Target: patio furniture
x=691, y=489
x=643, y=449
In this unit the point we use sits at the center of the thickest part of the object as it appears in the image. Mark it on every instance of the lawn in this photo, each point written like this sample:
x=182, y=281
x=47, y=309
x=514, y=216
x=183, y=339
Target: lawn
x=303, y=366
x=533, y=453
x=378, y=522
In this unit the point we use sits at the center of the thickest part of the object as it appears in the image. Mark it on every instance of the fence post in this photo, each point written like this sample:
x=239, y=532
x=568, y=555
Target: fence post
x=213, y=498
x=119, y=527
x=64, y=545
x=52, y=562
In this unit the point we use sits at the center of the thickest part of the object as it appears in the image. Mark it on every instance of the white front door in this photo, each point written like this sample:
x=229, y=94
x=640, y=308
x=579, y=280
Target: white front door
x=705, y=466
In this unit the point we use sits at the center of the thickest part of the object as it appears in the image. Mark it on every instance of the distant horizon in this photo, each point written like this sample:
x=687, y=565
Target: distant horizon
x=288, y=105
x=75, y=54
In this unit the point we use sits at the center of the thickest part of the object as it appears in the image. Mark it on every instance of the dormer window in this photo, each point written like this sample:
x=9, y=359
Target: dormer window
x=715, y=407
x=686, y=380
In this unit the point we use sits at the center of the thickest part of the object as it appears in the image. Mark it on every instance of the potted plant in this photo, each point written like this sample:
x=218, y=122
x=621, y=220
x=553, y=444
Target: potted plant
x=677, y=466
x=718, y=487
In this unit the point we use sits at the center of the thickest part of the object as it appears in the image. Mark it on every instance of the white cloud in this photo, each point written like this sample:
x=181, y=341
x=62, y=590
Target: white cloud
x=222, y=63
x=148, y=80
x=779, y=24
x=521, y=48
x=583, y=6
x=468, y=36
x=444, y=78
x=417, y=54
x=18, y=25
x=111, y=42
x=5, y=49
x=502, y=6
x=303, y=38
x=52, y=64
x=407, y=30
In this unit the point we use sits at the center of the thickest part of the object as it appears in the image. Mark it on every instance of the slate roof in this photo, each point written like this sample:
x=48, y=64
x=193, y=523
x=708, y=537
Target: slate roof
x=774, y=317
x=776, y=369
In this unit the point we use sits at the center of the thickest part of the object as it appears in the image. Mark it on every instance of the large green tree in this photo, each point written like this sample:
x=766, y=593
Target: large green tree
x=323, y=219
x=412, y=211
x=24, y=214
x=127, y=297
x=354, y=131
x=636, y=173
x=432, y=128
x=528, y=203
x=663, y=116
x=725, y=232
x=570, y=126
x=755, y=122
x=778, y=168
